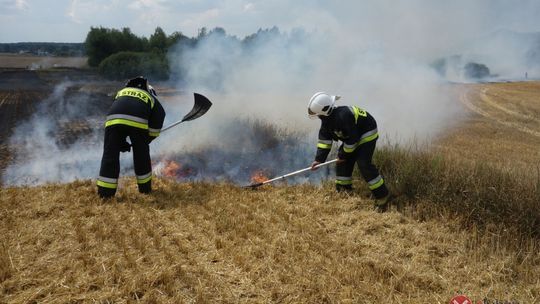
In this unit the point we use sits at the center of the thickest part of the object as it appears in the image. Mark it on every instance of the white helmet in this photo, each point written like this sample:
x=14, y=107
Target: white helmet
x=321, y=104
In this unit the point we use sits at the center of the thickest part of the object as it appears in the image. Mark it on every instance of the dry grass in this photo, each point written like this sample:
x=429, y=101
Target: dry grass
x=470, y=225
x=218, y=243
x=503, y=127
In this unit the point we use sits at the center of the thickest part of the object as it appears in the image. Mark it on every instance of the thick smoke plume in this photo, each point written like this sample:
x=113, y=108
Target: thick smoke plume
x=271, y=76
x=378, y=55
x=60, y=142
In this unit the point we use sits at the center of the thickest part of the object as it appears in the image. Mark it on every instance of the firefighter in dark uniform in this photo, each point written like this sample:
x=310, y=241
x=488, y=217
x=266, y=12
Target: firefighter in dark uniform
x=357, y=130
x=135, y=113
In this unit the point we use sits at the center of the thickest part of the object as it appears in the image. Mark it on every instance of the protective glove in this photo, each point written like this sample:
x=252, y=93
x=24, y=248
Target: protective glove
x=125, y=147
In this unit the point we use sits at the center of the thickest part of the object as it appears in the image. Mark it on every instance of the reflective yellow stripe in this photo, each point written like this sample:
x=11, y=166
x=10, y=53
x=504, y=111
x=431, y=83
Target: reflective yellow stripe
x=145, y=180
x=377, y=184
x=369, y=138
x=154, y=132
x=351, y=148
x=137, y=93
x=344, y=182
x=121, y=121
x=324, y=146
x=106, y=185
x=357, y=113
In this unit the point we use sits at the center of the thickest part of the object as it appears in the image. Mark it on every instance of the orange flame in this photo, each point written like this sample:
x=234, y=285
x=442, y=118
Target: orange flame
x=171, y=168
x=258, y=177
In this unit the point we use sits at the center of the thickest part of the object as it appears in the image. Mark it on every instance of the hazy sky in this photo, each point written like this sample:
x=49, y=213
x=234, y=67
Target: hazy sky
x=70, y=20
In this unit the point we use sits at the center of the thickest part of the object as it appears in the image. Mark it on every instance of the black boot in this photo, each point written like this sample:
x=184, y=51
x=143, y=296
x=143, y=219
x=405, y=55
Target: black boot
x=344, y=188
x=382, y=205
x=146, y=187
x=106, y=193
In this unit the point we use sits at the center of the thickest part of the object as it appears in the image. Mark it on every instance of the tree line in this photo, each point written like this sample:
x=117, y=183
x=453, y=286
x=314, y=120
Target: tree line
x=120, y=54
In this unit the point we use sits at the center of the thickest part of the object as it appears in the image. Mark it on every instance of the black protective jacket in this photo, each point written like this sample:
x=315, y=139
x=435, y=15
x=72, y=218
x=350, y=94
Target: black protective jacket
x=137, y=108
x=349, y=124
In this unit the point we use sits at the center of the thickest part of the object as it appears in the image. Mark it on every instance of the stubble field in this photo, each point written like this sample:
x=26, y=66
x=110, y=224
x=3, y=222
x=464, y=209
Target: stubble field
x=473, y=231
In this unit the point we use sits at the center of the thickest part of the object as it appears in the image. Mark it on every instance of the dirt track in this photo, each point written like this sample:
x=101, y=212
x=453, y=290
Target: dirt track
x=501, y=127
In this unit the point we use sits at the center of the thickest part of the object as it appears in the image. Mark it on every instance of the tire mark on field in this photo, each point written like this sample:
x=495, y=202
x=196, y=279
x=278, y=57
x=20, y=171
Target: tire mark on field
x=467, y=102
x=488, y=100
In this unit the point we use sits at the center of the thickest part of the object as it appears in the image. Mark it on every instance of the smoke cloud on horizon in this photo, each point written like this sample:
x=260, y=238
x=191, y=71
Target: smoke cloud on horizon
x=377, y=55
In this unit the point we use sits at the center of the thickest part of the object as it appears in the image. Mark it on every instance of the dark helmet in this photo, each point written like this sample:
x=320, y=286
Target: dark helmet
x=141, y=83
x=138, y=82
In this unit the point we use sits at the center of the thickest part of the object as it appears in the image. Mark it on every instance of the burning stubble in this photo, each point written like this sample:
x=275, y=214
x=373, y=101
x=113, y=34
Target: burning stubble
x=376, y=54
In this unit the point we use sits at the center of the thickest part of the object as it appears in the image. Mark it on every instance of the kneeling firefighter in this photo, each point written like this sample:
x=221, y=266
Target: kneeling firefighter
x=357, y=130
x=135, y=113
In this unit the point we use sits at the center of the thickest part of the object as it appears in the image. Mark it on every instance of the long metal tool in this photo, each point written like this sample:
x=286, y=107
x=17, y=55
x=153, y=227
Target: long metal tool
x=201, y=106
x=289, y=174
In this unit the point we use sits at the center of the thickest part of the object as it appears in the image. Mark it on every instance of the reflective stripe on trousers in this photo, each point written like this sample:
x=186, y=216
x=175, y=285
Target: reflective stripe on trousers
x=106, y=182
x=344, y=180
x=143, y=179
x=376, y=182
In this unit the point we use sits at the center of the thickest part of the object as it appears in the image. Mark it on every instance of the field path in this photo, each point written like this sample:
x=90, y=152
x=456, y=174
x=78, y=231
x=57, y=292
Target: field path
x=488, y=108
x=484, y=95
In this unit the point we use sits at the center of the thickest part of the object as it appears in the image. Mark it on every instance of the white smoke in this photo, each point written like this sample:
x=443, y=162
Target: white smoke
x=61, y=141
x=273, y=78
x=376, y=54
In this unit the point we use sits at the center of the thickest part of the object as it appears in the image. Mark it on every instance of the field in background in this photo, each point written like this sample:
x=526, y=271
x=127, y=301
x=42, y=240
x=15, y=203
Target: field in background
x=468, y=225
x=503, y=126
x=40, y=62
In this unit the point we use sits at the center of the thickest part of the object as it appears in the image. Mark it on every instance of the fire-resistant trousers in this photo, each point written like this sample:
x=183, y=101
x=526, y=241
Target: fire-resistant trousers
x=115, y=138
x=363, y=157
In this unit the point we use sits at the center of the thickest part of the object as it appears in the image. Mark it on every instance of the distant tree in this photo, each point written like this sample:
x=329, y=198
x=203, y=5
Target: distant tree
x=218, y=31
x=176, y=38
x=158, y=40
x=203, y=32
x=475, y=70
x=127, y=41
x=125, y=65
x=261, y=34
x=99, y=45
x=102, y=42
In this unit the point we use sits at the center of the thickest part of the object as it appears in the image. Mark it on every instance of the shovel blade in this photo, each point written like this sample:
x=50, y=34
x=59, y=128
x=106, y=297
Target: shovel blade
x=201, y=106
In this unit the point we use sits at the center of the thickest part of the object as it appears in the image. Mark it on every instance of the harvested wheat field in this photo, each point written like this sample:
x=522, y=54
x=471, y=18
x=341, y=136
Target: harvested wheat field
x=40, y=62
x=464, y=225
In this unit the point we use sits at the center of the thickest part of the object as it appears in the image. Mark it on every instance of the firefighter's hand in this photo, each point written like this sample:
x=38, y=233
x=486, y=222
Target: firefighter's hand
x=314, y=165
x=125, y=147
x=340, y=161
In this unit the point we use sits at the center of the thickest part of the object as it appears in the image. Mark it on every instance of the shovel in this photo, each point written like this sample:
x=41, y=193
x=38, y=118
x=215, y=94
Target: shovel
x=201, y=106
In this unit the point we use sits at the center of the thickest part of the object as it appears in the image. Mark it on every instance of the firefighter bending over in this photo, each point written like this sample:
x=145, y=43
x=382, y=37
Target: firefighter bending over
x=357, y=130
x=135, y=113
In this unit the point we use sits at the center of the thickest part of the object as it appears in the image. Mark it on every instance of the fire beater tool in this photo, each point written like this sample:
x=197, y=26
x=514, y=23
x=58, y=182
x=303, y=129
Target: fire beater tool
x=289, y=174
x=201, y=106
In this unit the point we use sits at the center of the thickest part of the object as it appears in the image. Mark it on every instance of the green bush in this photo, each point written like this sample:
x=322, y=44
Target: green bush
x=124, y=65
